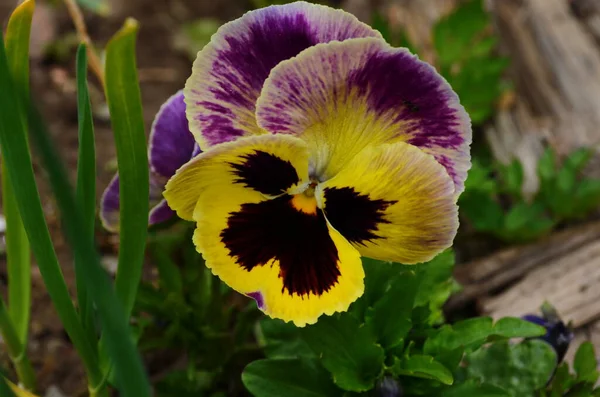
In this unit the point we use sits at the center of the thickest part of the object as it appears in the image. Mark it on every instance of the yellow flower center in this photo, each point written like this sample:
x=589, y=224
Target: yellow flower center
x=306, y=201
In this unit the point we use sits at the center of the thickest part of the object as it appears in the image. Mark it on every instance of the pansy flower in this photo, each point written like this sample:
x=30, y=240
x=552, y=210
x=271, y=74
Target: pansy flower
x=171, y=146
x=322, y=144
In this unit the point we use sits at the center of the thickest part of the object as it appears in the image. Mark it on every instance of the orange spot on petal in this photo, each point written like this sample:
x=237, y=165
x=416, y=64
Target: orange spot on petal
x=304, y=203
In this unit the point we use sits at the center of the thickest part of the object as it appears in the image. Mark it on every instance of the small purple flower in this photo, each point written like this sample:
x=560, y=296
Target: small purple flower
x=558, y=334
x=171, y=146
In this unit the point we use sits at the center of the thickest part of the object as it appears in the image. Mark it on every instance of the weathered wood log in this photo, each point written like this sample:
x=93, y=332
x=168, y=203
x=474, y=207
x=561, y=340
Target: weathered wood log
x=556, y=68
x=482, y=278
x=570, y=283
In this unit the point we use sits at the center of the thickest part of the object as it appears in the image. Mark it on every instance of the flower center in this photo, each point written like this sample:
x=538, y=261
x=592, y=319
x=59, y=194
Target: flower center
x=306, y=201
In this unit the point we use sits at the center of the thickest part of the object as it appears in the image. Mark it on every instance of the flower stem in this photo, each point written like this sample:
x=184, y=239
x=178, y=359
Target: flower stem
x=16, y=350
x=77, y=17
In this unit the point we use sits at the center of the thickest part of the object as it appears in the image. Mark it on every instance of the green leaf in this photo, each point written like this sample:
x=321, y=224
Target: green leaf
x=484, y=213
x=472, y=333
x=289, y=377
x=585, y=363
x=283, y=340
x=512, y=176
x=436, y=284
x=526, y=222
x=5, y=390
x=17, y=246
x=561, y=381
x=422, y=366
x=520, y=369
x=378, y=275
x=586, y=197
x=578, y=159
x=390, y=318
x=15, y=153
x=128, y=365
x=86, y=184
x=474, y=389
x=547, y=165
x=512, y=327
x=100, y=7
x=453, y=36
x=480, y=179
x=348, y=350
x=124, y=102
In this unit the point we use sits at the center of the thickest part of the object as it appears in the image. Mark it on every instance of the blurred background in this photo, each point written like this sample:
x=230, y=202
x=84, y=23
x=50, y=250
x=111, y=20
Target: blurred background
x=527, y=71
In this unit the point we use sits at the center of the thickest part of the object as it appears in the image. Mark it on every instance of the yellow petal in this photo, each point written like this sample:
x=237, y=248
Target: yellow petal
x=268, y=165
x=289, y=260
x=392, y=202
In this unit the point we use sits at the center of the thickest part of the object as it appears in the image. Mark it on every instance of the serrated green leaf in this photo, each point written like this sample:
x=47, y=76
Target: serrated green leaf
x=348, y=350
x=512, y=327
x=520, y=369
x=291, y=377
x=473, y=332
x=585, y=363
x=423, y=366
x=390, y=318
x=472, y=388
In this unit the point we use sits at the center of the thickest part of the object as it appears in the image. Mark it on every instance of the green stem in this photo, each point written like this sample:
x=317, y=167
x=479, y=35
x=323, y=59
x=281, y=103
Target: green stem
x=16, y=350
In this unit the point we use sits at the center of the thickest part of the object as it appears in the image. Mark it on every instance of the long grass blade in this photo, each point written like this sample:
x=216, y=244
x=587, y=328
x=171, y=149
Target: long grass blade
x=86, y=183
x=15, y=153
x=124, y=102
x=5, y=389
x=129, y=371
x=17, y=246
x=16, y=350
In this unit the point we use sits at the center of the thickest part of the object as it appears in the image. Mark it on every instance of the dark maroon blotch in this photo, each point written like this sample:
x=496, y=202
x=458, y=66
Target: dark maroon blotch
x=274, y=229
x=265, y=173
x=354, y=215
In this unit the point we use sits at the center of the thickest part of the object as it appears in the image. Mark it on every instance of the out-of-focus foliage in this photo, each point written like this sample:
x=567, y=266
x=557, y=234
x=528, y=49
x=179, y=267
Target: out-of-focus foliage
x=465, y=48
x=194, y=35
x=493, y=201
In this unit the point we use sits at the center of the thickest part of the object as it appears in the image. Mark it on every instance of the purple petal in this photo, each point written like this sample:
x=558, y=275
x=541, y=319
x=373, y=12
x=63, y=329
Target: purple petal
x=229, y=72
x=171, y=142
x=344, y=96
x=109, y=206
x=161, y=212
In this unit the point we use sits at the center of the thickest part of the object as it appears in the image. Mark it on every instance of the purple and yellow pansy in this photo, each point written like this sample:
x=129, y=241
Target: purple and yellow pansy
x=320, y=143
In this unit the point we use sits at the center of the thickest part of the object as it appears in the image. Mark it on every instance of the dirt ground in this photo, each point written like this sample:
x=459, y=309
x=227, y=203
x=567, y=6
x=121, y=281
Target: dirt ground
x=163, y=70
